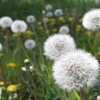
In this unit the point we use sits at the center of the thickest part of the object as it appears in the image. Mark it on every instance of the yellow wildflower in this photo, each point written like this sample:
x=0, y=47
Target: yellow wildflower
x=5, y=36
x=70, y=19
x=39, y=23
x=54, y=29
x=12, y=88
x=52, y=20
x=16, y=34
x=1, y=83
x=29, y=32
x=80, y=20
x=78, y=27
x=98, y=55
x=89, y=33
x=11, y=64
x=40, y=27
x=61, y=18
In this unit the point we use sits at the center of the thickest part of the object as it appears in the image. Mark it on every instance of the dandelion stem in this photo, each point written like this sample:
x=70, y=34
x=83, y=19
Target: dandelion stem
x=6, y=44
x=19, y=55
x=82, y=94
x=2, y=73
x=33, y=86
x=65, y=98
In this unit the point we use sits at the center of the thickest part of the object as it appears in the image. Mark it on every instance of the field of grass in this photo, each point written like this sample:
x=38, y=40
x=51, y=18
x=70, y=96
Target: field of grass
x=38, y=83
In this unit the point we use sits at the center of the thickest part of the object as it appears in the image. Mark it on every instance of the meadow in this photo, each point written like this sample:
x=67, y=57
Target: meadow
x=25, y=72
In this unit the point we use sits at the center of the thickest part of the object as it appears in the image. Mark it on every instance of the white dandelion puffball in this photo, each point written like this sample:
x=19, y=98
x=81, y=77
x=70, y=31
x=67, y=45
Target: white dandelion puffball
x=64, y=30
x=97, y=1
x=30, y=44
x=31, y=19
x=49, y=14
x=1, y=47
x=18, y=26
x=5, y=22
x=48, y=7
x=91, y=20
x=45, y=20
x=58, y=44
x=58, y=12
x=76, y=69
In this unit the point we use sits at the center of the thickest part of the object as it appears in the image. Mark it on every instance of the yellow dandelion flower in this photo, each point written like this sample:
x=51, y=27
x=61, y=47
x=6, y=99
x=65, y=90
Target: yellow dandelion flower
x=98, y=55
x=61, y=18
x=40, y=27
x=16, y=34
x=89, y=33
x=70, y=19
x=52, y=20
x=47, y=31
x=78, y=27
x=11, y=64
x=29, y=32
x=1, y=83
x=54, y=29
x=5, y=36
x=12, y=88
x=39, y=23
x=80, y=20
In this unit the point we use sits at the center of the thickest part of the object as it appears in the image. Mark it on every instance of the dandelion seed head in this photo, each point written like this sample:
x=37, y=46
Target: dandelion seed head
x=75, y=69
x=49, y=14
x=58, y=12
x=48, y=7
x=31, y=19
x=18, y=26
x=58, y=44
x=5, y=22
x=64, y=30
x=91, y=20
x=30, y=44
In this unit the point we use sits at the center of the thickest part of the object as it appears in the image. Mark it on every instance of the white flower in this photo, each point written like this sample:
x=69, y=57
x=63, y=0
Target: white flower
x=18, y=26
x=75, y=69
x=26, y=61
x=1, y=47
x=98, y=97
x=24, y=69
x=58, y=12
x=64, y=30
x=5, y=22
x=97, y=1
x=49, y=14
x=31, y=19
x=91, y=20
x=58, y=44
x=45, y=20
x=30, y=44
x=48, y=7
x=31, y=68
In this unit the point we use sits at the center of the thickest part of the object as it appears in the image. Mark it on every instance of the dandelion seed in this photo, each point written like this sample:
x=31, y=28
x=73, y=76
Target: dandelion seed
x=76, y=70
